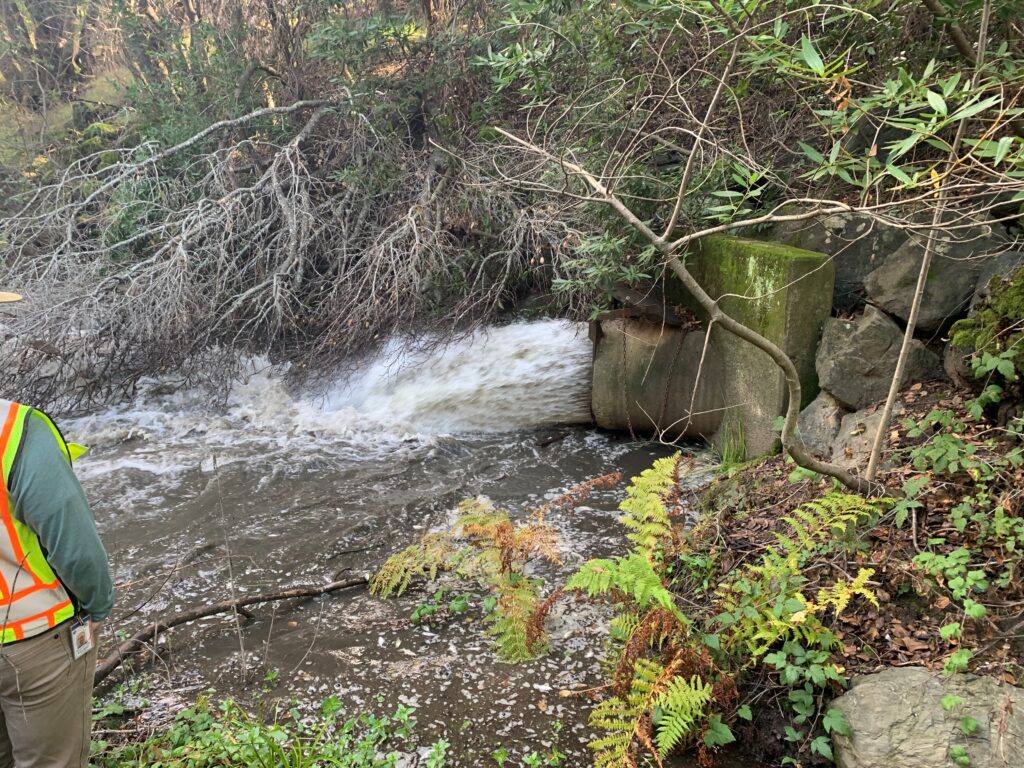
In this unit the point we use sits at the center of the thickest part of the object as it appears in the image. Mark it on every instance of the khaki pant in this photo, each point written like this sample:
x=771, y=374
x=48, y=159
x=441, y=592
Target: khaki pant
x=45, y=702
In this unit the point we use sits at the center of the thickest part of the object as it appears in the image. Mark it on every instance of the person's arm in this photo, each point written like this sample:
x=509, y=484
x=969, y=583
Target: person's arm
x=49, y=499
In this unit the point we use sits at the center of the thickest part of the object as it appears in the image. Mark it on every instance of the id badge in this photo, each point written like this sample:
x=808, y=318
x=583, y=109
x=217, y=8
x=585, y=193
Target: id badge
x=81, y=638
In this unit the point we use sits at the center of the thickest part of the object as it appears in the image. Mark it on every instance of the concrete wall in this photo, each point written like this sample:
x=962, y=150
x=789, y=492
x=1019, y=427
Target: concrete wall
x=645, y=371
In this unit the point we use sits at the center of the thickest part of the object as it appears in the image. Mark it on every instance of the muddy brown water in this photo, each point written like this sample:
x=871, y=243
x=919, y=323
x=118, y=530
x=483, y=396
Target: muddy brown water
x=198, y=503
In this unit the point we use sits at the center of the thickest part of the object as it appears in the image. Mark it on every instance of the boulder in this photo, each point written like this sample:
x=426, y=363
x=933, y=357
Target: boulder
x=819, y=423
x=857, y=358
x=855, y=436
x=897, y=719
x=1002, y=265
x=952, y=278
x=857, y=243
x=957, y=366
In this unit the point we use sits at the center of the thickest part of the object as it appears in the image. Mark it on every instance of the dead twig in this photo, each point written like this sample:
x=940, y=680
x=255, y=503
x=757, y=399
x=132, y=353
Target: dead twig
x=138, y=642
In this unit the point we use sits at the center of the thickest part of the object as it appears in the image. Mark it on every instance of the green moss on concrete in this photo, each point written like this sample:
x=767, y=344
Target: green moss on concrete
x=782, y=292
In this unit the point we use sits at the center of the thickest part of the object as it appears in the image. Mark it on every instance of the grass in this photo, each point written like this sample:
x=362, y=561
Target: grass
x=226, y=735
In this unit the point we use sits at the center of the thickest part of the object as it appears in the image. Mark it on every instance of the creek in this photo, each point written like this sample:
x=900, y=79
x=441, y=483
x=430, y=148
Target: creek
x=198, y=501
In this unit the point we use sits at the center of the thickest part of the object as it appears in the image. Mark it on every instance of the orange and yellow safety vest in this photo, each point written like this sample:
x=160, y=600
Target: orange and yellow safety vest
x=32, y=598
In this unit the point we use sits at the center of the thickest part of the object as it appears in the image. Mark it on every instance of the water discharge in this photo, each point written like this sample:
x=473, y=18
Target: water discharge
x=197, y=501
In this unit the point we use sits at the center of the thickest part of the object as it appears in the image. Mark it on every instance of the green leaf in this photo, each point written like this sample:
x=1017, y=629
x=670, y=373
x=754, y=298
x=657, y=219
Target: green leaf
x=822, y=746
x=835, y=722
x=811, y=56
x=969, y=725
x=970, y=110
x=1002, y=148
x=897, y=173
x=718, y=733
x=793, y=735
x=958, y=661
x=951, y=701
x=937, y=102
x=819, y=158
x=974, y=610
x=949, y=631
x=744, y=713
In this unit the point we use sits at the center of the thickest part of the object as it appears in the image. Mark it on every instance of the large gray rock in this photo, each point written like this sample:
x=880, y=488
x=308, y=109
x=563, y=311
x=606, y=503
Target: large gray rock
x=819, y=423
x=857, y=358
x=897, y=720
x=1001, y=266
x=851, y=447
x=957, y=262
x=857, y=243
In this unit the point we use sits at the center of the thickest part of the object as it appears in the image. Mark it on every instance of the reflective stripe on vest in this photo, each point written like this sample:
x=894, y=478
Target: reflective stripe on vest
x=32, y=599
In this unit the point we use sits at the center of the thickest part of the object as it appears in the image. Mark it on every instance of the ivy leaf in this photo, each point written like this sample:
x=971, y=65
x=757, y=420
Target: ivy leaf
x=718, y=733
x=811, y=56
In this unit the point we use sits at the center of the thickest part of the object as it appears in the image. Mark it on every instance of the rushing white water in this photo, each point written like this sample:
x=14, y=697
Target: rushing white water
x=514, y=377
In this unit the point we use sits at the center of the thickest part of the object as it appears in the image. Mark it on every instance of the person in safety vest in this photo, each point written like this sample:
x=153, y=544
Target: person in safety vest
x=54, y=588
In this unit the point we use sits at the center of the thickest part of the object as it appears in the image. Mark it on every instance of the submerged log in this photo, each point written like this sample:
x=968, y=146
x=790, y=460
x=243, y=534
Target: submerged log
x=137, y=643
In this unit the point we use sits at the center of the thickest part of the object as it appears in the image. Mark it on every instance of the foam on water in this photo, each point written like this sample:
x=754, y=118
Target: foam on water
x=514, y=377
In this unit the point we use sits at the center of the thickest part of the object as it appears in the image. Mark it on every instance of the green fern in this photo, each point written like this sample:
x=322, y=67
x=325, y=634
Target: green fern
x=623, y=719
x=645, y=512
x=424, y=559
x=824, y=522
x=765, y=604
x=633, y=576
x=683, y=708
x=509, y=622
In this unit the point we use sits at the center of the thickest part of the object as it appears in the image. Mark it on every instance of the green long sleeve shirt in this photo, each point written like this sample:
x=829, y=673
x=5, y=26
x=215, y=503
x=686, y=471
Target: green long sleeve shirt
x=49, y=499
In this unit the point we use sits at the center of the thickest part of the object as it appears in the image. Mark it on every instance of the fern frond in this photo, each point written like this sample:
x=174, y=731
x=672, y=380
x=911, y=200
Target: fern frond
x=419, y=560
x=838, y=596
x=623, y=625
x=683, y=705
x=645, y=508
x=627, y=719
x=632, y=575
x=510, y=621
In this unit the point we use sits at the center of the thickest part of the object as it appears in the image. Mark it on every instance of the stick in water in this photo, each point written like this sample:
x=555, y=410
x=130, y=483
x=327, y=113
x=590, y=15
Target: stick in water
x=137, y=642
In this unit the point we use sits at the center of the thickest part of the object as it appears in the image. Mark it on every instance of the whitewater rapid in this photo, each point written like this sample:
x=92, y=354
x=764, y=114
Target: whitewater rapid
x=510, y=378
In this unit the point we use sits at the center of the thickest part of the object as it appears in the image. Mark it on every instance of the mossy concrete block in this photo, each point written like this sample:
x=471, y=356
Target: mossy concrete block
x=783, y=293
x=644, y=379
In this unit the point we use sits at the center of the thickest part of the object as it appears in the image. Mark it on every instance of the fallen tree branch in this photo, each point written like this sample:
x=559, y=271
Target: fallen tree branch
x=674, y=254
x=137, y=642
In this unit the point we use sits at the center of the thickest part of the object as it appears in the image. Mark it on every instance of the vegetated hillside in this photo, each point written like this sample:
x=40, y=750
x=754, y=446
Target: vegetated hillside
x=311, y=178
